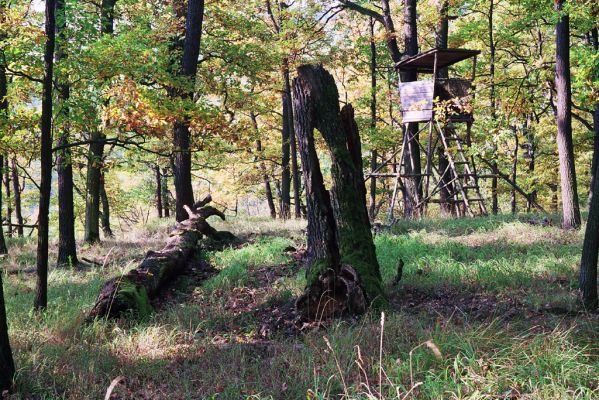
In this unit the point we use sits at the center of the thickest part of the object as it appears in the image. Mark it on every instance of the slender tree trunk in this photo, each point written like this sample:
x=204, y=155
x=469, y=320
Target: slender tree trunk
x=390, y=31
x=446, y=190
x=158, y=191
x=595, y=43
x=8, y=196
x=92, y=199
x=571, y=210
x=67, y=245
x=295, y=173
x=41, y=294
x=96, y=149
x=17, y=197
x=165, y=195
x=514, y=171
x=286, y=133
x=373, y=152
x=3, y=248
x=7, y=366
x=413, y=180
x=590, y=248
x=105, y=209
x=182, y=139
x=3, y=115
x=494, y=180
x=531, y=152
x=266, y=180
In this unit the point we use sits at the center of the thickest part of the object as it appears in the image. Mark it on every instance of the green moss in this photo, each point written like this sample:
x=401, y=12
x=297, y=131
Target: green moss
x=136, y=296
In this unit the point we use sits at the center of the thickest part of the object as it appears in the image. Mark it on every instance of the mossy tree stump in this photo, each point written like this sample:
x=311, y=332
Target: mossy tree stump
x=343, y=272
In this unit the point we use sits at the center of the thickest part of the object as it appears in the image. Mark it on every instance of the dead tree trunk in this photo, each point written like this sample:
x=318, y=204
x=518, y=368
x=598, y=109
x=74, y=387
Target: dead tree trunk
x=133, y=291
x=344, y=273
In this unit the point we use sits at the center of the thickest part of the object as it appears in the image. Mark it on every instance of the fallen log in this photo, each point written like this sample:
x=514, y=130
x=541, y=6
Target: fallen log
x=134, y=290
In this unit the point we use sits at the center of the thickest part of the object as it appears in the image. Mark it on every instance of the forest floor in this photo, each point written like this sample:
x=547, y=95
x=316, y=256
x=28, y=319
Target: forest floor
x=486, y=308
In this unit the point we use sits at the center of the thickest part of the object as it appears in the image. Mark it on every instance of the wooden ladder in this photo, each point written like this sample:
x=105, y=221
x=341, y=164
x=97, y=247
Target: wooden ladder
x=465, y=176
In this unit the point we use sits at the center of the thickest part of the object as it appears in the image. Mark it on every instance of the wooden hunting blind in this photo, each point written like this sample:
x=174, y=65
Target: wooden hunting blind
x=441, y=104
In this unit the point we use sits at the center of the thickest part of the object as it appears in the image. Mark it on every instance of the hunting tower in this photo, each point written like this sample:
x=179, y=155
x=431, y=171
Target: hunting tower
x=443, y=107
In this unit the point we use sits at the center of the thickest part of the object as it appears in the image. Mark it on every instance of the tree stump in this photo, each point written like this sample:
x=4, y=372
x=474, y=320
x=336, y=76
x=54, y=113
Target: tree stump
x=343, y=272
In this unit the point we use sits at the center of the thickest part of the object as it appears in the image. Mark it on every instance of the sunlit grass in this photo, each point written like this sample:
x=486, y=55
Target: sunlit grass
x=178, y=352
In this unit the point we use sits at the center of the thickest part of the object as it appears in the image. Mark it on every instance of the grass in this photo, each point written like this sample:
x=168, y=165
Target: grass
x=484, y=310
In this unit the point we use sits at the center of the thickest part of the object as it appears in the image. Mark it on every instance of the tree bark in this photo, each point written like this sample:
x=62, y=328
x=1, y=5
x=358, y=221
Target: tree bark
x=7, y=366
x=446, y=190
x=265, y=178
x=595, y=43
x=181, y=138
x=17, y=197
x=494, y=180
x=412, y=167
x=587, y=279
x=96, y=149
x=133, y=291
x=6, y=180
x=3, y=248
x=165, y=195
x=158, y=191
x=373, y=152
x=105, y=209
x=286, y=135
x=514, y=171
x=41, y=293
x=3, y=115
x=354, y=281
x=67, y=245
x=570, y=206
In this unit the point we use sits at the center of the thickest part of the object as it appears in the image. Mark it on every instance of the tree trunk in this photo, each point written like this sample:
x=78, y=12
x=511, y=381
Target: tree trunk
x=158, y=191
x=373, y=152
x=286, y=135
x=8, y=196
x=41, y=294
x=133, y=291
x=182, y=139
x=531, y=153
x=92, y=199
x=492, y=100
x=590, y=249
x=105, y=209
x=3, y=115
x=67, y=245
x=344, y=269
x=514, y=171
x=96, y=148
x=7, y=366
x=413, y=181
x=266, y=180
x=390, y=32
x=595, y=162
x=3, y=248
x=17, y=196
x=442, y=34
x=165, y=195
x=446, y=185
x=571, y=210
